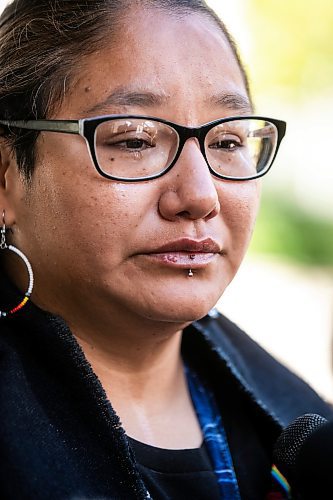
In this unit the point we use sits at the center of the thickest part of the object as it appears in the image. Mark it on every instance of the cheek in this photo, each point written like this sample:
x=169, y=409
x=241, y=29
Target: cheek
x=239, y=207
x=68, y=186
x=97, y=211
x=75, y=207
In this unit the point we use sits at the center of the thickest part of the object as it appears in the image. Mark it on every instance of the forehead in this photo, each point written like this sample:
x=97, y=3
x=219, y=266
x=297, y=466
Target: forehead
x=177, y=62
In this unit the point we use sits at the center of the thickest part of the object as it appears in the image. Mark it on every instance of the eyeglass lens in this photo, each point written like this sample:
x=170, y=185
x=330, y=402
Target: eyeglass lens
x=137, y=147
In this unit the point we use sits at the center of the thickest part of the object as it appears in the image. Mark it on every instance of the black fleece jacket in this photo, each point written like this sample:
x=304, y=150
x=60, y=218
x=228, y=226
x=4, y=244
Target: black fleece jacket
x=60, y=439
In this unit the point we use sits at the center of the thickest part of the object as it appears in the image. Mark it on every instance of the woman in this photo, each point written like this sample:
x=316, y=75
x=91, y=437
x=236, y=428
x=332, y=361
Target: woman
x=131, y=206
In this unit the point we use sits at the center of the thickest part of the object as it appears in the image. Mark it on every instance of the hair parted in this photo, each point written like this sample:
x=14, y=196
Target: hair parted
x=41, y=44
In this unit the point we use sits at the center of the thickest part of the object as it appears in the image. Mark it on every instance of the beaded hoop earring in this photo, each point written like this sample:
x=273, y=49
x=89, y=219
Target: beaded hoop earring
x=4, y=246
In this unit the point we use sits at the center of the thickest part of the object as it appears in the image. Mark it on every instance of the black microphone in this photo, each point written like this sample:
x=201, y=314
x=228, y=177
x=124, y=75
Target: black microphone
x=304, y=455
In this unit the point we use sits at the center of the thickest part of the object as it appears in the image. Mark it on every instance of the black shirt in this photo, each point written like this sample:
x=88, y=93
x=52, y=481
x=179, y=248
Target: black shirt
x=176, y=474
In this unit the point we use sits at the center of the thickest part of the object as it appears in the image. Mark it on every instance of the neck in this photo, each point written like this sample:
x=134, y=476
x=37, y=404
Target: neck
x=142, y=362
x=132, y=354
x=141, y=371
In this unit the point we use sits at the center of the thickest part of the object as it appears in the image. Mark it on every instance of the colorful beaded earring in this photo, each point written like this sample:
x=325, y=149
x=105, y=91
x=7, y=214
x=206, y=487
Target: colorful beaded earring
x=4, y=246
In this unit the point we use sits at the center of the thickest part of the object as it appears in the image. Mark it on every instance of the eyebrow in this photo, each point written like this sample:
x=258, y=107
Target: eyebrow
x=122, y=98
x=232, y=101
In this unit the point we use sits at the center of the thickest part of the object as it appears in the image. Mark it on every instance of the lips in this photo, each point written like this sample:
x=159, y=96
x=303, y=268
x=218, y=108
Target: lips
x=186, y=253
x=187, y=245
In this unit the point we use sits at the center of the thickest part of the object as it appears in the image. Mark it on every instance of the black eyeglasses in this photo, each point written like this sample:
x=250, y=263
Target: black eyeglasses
x=132, y=148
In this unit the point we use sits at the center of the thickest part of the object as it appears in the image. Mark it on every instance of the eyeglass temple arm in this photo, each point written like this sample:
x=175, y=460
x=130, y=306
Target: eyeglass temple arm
x=264, y=132
x=65, y=126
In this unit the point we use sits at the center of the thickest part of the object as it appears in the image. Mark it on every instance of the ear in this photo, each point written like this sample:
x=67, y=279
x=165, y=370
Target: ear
x=10, y=180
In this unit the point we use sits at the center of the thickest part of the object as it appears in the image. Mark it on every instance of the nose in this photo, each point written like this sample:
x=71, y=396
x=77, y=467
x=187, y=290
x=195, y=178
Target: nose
x=190, y=191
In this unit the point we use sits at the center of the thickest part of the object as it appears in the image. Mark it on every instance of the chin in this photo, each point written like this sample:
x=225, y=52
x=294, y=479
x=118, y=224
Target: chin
x=181, y=310
x=167, y=300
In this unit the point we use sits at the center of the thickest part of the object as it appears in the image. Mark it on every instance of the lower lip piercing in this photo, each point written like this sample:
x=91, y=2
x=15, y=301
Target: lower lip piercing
x=190, y=272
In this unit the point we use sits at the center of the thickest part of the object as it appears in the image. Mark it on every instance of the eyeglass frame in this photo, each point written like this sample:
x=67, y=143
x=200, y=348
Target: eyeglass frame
x=86, y=128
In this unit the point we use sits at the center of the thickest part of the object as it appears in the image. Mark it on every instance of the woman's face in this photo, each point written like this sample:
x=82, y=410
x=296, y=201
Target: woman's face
x=124, y=249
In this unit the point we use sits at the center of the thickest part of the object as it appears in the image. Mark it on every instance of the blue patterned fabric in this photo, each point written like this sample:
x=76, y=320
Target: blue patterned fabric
x=214, y=436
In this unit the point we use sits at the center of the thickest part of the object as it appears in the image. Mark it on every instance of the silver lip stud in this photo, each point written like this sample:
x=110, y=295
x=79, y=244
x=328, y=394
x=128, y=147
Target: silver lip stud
x=190, y=273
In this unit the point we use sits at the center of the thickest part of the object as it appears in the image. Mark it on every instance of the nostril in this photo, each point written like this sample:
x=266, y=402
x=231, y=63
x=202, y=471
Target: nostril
x=184, y=213
x=214, y=212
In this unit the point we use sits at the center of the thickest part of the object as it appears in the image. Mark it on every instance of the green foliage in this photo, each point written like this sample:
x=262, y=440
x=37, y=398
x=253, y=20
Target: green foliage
x=285, y=230
x=293, y=45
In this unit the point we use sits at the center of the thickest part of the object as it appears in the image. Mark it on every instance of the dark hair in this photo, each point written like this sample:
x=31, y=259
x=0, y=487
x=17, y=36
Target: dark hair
x=41, y=41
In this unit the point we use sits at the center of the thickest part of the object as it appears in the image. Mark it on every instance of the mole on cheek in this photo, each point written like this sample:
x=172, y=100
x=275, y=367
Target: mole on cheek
x=87, y=89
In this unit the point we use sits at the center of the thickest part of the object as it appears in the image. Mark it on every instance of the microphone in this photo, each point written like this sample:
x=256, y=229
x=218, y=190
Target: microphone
x=304, y=455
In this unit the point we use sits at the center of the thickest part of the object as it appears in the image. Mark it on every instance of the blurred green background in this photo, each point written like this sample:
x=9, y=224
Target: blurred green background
x=296, y=37
x=287, y=48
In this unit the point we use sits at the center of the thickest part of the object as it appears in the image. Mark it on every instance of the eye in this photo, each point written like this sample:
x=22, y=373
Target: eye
x=227, y=142
x=134, y=144
x=124, y=142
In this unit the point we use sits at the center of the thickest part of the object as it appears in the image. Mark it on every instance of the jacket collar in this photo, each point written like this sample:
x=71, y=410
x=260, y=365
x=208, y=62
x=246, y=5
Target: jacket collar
x=279, y=395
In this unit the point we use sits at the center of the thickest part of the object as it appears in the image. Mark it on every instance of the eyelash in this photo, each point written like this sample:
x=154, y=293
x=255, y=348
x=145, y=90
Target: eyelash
x=229, y=141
